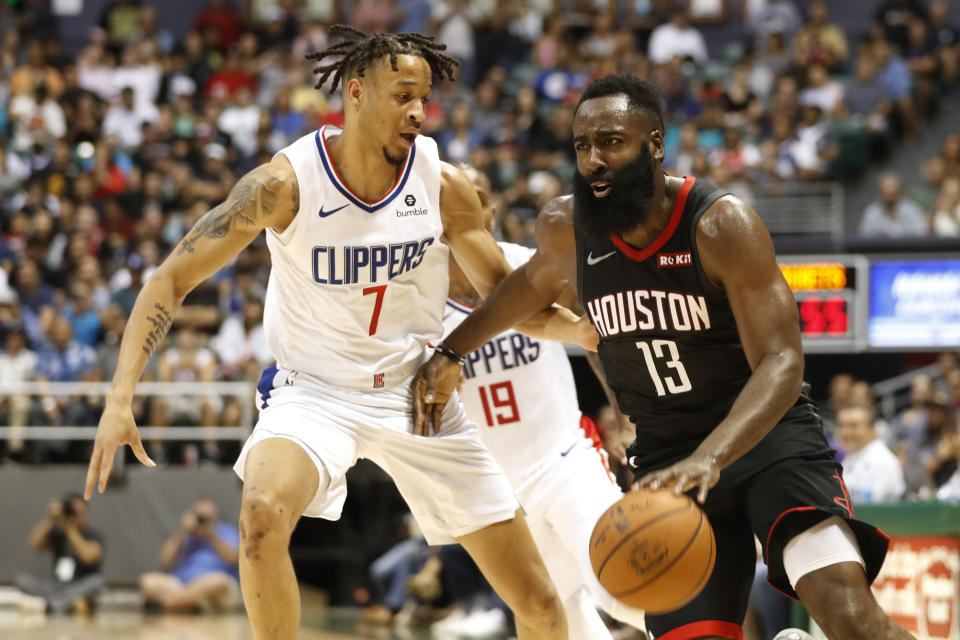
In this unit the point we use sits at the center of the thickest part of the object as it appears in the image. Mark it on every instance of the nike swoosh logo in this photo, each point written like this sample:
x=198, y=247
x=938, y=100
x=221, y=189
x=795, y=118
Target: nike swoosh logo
x=592, y=261
x=324, y=214
x=564, y=454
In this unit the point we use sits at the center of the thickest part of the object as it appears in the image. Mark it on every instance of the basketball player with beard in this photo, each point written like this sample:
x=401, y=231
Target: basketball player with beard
x=700, y=341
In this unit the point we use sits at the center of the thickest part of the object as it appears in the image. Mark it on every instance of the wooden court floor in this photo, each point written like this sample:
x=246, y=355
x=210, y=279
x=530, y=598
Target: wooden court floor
x=123, y=625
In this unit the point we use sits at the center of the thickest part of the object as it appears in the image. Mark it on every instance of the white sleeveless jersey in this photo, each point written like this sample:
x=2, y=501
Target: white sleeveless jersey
x=357, y=288
x=520, y=391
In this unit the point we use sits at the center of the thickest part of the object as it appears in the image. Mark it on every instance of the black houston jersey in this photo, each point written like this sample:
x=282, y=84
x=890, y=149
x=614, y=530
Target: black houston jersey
x=668, y=340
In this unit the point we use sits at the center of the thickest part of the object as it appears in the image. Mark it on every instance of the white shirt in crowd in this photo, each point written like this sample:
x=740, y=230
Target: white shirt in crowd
x=873, y=474
x=242, y=124
x=126, y=124
x=668, y=41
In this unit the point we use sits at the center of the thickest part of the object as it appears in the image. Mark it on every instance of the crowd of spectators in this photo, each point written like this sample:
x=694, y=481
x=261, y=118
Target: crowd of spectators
x=912, y=454
x=109, y=154
x=931, y=207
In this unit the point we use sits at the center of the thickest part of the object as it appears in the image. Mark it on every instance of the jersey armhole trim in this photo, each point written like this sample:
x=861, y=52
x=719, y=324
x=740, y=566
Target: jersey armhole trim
x=697, y=264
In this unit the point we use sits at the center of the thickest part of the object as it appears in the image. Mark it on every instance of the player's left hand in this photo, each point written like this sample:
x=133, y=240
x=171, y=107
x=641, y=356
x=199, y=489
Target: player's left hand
x=432, y=387
x=699, y=470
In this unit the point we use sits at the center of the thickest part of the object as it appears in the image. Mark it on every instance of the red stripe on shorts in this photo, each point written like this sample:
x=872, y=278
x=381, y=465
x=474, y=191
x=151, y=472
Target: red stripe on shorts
x=703, y=629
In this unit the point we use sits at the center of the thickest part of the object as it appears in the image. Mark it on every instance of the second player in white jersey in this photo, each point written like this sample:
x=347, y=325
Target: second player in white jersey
x=343, y=304
x=521, y=393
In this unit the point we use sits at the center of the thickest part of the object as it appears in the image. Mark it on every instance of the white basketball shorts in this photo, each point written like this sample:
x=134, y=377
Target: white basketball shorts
x=563, y=503
x=449, y=480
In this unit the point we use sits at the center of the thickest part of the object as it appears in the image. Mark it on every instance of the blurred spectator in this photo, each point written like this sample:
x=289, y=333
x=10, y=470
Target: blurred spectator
x=372, y=15
x=82, y=315
x=910, y=425
x=460, y=139
x=946, y=35
x=391, y=572
x=945, y=221
x=219, y=24
x=868, y=101
x=452, y=21
x=923, y=61
x=241, y=121
x=121, y=22
x=777, y=16
x=821, y=91
x=200, y=561
x=814, y=148
x=894, y=18
x=125, y=122
x=36, y=72
x=413, y=16
x=187, y=361
x=938, y=453
x=241, y=339
x=871, y=471
x=77, y=550
x=892, y=216
x=38, y=120
x=17, y=364
x=895, y=75
x=926, y=192
x=676, y=38
x=820, y=41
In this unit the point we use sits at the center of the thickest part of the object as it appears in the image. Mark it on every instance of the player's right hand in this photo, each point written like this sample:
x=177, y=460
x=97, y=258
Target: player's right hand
x=116, y=428
x=431, y=389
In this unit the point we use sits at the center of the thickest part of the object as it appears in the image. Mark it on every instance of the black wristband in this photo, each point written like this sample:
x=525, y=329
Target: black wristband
x=444, y=349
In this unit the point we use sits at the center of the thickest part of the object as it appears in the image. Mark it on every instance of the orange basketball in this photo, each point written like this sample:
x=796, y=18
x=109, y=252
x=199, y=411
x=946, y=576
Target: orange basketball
x=653, y=550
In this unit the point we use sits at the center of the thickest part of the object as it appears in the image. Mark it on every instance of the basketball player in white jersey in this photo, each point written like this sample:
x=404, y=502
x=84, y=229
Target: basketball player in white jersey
x=545, y=446
x=360, y=224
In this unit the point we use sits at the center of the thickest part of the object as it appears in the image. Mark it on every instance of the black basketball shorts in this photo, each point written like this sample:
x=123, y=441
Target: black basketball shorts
x=786, y=484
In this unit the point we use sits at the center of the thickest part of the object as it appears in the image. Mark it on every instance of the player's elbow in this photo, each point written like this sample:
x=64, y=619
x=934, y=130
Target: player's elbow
x=791, y=371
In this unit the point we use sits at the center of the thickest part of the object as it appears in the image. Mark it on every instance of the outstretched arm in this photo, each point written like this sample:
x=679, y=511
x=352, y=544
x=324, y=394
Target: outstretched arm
x=526, y=291
x=737, y=254
x=268, y=196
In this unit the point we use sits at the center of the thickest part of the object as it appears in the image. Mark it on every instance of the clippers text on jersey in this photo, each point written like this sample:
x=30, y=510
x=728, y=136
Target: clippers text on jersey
x=367, y=264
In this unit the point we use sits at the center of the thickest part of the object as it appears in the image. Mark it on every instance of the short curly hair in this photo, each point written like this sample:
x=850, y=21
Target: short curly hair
x=643, y=96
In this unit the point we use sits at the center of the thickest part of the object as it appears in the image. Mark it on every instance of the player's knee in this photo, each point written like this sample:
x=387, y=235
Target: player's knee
x=263, y=517
x=541, y=607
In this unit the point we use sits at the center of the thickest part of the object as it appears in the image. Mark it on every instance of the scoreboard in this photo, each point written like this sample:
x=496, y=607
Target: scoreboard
x=832, y=300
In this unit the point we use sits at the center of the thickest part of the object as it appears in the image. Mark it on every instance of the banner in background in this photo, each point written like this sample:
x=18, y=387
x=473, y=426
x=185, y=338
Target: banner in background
x=914, y=303
x=919, y=585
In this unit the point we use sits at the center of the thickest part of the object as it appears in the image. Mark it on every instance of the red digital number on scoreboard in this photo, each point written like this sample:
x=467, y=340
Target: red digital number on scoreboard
x=819, y=316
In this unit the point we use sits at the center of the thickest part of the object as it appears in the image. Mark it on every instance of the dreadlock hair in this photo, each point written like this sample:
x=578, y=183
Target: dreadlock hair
x=358, y=53
x=641, y=94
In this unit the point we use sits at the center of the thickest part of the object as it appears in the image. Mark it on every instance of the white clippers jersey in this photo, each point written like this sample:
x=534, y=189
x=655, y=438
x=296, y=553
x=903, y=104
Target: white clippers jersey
x=520, y=391
x=357, y=289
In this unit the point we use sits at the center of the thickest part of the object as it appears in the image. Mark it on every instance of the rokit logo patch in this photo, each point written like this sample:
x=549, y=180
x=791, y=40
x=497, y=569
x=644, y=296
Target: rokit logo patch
x=681, y=259
x=411, y=201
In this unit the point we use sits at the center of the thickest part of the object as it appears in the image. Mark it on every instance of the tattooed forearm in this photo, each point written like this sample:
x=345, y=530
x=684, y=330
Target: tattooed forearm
x=160, y=320
x=257, y=194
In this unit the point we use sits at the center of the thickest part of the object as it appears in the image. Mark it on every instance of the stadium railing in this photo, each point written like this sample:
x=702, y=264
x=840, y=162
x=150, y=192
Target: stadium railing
x=243, y=390
x=801, y=210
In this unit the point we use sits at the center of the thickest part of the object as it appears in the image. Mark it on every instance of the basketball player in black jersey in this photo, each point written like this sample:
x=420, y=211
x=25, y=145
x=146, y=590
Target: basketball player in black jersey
x=700, y=341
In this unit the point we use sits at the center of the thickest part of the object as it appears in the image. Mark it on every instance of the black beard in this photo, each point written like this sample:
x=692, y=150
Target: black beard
x=397, y=162
x=628, y=202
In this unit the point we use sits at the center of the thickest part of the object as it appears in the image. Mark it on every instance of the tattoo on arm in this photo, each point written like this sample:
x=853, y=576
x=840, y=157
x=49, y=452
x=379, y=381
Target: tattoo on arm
x=257, y=194
x=160, y=320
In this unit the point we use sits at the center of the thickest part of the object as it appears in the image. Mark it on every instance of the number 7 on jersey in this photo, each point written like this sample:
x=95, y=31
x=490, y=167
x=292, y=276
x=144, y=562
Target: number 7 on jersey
x=380, y=289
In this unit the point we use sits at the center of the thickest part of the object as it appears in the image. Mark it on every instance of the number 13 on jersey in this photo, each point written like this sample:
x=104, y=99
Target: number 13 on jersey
x=676, y=382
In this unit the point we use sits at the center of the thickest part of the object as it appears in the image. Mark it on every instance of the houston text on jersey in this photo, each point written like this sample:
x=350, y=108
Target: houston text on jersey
x=648, y=310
